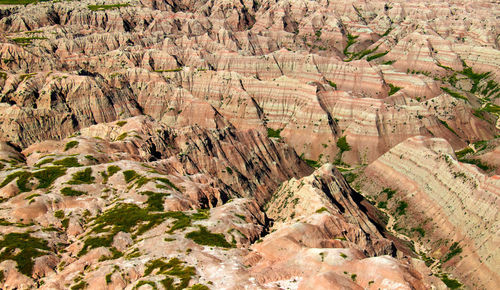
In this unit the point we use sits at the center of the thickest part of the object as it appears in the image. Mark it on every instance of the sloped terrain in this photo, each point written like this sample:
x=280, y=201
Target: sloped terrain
x=168, y=144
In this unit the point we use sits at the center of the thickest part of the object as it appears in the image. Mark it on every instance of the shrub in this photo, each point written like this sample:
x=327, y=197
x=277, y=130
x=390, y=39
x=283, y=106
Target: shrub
x=59, y=214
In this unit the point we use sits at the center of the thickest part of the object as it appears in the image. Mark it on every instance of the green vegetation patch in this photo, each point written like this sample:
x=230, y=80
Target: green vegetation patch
x=377, y=55
x=155, y=200
x=313, y=163
x=323, y=209
x=167, y=182
x=274, y=133
x=204, y=237
x=450, y=283
x=463, y=152
x=112, y=170
x=447, y=126
x=18, y=2
x=389, y=192
x=22, y=248
x=480, y=164
x=343, y=145
x=121, y=123
x=455, y=249
x=68, y=191
x=124, y=217
x=70, y=145
x=173, y=268
x=22, y=180
x=44, y=161
x=107, y=7
x=454, y=94
x=169, y=70
x=48, y=175
x=401, y=209
x=82, y=177
x=393, y=89
x=23, y=41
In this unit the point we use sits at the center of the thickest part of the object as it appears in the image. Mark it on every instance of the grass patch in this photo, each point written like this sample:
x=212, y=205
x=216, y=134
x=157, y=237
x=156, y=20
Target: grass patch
x=112, y=170
x=206, y=238
x=313, y=163
x=44, y=161
x=450, y=283
x=70, y=145
x=82, y=177
x=168, y=70
x=68, y=191
x=480, y=164
x=419, y=230
x=454, y=94
x=167, y=182
x=377, y=55
x=393, y=89
x=173, y=268
x=22, y=248
x=447, y=126
x=128, y=218
x=463, y=152
x=390, y=192
x=23, y=41
x=455, y=249
x=130, y=175
x=401, y=209
x=155, y=200
x=68, y=162
x=59, y=214
x=48, y=175
x=343, y=145
x=121, y=123
x=323, y=209
x=274, y=133
x=107, y=7
x=22, y=180
x=122, y=136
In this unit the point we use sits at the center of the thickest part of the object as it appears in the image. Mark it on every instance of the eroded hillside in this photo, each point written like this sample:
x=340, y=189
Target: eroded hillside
x=174, y=144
